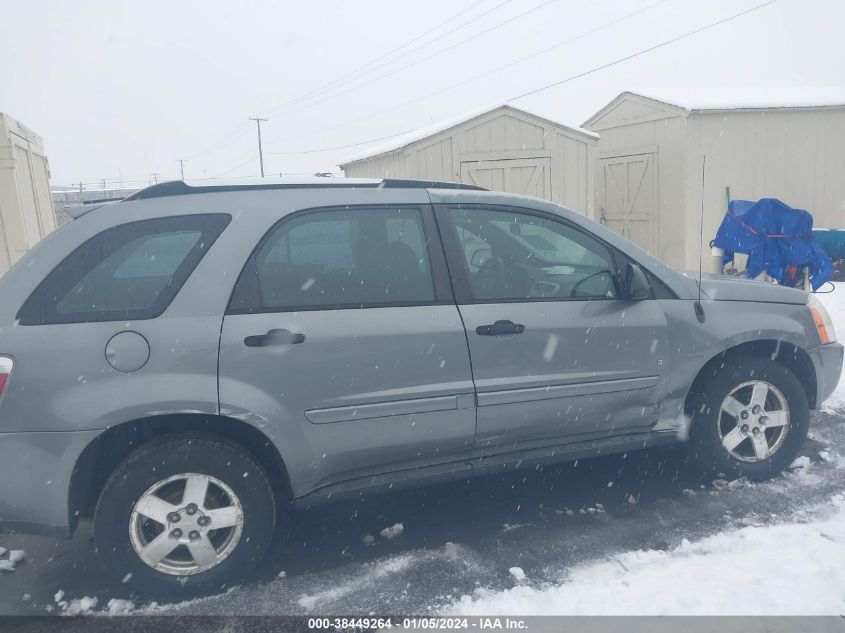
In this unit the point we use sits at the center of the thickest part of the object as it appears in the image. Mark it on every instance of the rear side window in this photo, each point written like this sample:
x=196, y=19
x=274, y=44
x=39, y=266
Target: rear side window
x=129, y=272
x=353, y=257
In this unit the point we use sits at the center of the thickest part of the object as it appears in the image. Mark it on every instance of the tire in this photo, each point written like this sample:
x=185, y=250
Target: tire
x=715, y=430
x=238, y=498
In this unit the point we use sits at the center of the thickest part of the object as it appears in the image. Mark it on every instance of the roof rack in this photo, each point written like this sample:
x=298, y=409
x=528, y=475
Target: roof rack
x=181, y=188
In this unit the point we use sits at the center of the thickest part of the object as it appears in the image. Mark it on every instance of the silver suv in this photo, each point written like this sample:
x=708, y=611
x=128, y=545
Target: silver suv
x=191, y=361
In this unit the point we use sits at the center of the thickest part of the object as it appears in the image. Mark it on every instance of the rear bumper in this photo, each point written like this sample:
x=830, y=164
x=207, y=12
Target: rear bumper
x=35, y=476
x=827, y=360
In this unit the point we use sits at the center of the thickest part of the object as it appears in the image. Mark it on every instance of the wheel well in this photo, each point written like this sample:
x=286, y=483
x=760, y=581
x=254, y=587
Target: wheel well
x=787, y=354
x=112, y=446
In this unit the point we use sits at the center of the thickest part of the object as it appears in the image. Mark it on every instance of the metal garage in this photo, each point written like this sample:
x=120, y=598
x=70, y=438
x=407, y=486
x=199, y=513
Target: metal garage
x=502, y=149
x=648, y=183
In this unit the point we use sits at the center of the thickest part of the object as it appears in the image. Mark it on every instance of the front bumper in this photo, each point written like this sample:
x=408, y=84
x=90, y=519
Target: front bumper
x=35, y=476
x=827, y=360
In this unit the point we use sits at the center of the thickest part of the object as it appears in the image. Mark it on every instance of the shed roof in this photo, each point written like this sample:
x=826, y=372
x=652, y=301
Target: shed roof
x=723, y=99
x=751, y=98
x=13, y=125
x=414, y=136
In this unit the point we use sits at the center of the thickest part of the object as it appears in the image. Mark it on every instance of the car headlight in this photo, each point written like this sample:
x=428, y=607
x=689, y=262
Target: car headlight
x=824, y=324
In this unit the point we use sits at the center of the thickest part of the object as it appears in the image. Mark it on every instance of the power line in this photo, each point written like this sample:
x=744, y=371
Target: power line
x=427, y=57
x=236, y=167
x=535, y=90
x=568, y=79
x=460, y=83
x=232, y=133
x=240, y=127
x=329, y=149
x=423, y=45
x=347, y=79
x=356, y=71
x=644, y=51
x=498, y=69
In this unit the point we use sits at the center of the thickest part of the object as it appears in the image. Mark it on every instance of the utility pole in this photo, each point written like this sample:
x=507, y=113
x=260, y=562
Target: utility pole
x=181, y=162
x=155, y=178
x=258, y=121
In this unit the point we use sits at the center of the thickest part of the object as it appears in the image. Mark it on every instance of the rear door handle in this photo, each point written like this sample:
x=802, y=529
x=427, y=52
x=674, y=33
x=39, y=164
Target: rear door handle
x=500, y=327
x=274, y=338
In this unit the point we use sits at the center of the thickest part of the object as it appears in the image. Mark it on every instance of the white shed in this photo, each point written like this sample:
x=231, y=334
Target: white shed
x=649, y=166
x=501, y=149
x=26, y=209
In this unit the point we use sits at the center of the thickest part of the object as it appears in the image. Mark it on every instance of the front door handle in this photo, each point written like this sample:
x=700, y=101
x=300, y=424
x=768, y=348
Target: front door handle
x=499, y=328
x=274, y=338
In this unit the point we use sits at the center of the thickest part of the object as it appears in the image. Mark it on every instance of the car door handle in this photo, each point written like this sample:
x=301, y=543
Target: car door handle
x=500, y=327
x=274, y=338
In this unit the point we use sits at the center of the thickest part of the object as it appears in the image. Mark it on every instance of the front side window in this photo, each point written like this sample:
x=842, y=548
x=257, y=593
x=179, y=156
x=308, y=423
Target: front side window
x=132, y=271
x=338, y=258
x=512, y=256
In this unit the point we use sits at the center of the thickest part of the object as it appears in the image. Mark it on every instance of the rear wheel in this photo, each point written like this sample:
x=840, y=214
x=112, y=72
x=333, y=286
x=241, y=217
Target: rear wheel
x=184, y=516
x=750, y=420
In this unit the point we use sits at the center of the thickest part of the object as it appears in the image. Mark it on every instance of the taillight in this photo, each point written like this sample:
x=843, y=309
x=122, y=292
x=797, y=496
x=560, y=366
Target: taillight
x=6, y=365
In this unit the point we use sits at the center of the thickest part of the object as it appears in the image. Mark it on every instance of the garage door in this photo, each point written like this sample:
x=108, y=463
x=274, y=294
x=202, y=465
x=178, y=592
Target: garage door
x=525, y=176
x=630, y=197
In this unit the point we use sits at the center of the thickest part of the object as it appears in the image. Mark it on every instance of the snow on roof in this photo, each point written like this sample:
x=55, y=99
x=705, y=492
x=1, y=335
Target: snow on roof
x=408, y=138
x=722, y=98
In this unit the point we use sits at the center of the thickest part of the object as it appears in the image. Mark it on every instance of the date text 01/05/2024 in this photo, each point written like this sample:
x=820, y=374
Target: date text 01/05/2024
x=417, y=623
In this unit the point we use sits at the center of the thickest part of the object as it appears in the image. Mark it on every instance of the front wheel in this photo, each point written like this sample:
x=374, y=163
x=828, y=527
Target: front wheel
x=184, y=516
x=750, y=420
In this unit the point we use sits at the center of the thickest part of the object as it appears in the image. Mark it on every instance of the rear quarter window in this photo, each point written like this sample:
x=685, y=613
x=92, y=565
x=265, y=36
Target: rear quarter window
x=129, y=272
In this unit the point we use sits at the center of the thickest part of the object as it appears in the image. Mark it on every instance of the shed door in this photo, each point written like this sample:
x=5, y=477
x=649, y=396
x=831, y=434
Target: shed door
x=630, y=197
x=524, y=176
x=28, y=200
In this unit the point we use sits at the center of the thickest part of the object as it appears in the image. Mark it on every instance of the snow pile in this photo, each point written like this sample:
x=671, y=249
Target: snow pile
x=78, y=607
x=784, y=569
x=517, y=573
x=393, y=531
x=85, y=605
x=835, y=304
x=117, y=606
x=9, y=563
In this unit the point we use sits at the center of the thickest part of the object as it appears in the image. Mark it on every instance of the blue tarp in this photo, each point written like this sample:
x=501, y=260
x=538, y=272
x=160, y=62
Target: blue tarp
x=774, y=236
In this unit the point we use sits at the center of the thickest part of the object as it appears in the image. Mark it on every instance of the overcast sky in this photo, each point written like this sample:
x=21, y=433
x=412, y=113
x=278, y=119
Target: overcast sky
x=120, y=90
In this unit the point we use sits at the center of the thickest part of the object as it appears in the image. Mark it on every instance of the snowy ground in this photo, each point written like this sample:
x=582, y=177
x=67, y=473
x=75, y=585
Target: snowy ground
x=640, y=528
x=788, y=568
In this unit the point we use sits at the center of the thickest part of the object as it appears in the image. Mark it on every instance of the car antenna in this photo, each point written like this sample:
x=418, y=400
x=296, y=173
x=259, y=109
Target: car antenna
x=699, y=309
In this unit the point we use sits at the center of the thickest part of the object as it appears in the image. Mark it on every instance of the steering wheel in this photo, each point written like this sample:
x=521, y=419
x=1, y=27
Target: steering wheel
x=574, y=291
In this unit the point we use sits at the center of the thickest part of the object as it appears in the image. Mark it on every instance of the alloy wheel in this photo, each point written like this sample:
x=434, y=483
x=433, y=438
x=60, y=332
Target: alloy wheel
x=753, y=421
x=186, y=524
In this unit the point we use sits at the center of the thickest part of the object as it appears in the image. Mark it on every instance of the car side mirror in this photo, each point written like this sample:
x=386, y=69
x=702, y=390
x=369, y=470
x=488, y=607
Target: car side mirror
x=635, y=286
